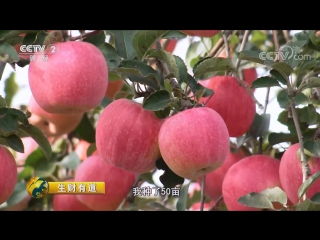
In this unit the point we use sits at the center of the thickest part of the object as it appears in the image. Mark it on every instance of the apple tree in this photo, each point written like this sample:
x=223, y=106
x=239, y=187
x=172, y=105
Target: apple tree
x=164, y=133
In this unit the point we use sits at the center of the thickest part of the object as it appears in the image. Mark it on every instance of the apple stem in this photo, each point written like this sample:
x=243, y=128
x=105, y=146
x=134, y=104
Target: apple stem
x=203, y=184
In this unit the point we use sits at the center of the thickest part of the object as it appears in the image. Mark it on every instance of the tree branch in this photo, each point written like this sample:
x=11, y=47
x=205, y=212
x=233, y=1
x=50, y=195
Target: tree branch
x=304, y=163
x=203, y=197
x=240, y=80
x=264, y=112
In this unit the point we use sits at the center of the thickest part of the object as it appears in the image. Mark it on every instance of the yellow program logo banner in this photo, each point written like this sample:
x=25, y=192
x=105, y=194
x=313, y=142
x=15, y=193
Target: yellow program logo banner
x=76, y=188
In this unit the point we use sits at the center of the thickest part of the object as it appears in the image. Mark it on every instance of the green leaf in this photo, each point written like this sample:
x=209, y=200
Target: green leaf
x=91, y=149
x=293, y=48
x=157, y=206
x=71, y=161
x=182, y=68
x=169, y=179
x=195, y=49
x=307, y=184
x=278, y=76
x=2, y=67
x=260, y=125
x=38, y=136
x=15, y=143
x=85, y=130
x=313, y=82
x=14, y=41
x=283, y=68
x=147, y=177
x=307, y=205
x=312, y=147
x=168, y=58
x=308, y=114
x=40, y=37
x=174, y=34
x=96, y=39
x=9, y=122
x=158, y=100
x=256, y=200
x=8, y=54
x=123, y=42
x=243, y=139
x=162, y=114
x=140, y=72
x=10, y=88
x=123, y=94
x=3, y=103
x=275, y=194
x=110, y=54
x=19, y=194
x=22, y=117
x=276, y=138
x=41, y=167
x=284, y=99
x=214, y=65
x=258, y=38
x=251, y=56
x=144, y=40
x=167, y=85
x=308, y=64
x=265, y=82
x=4, y=33
x=315, y=198
x=183, y=198
x=197, y=88
x=29, y=39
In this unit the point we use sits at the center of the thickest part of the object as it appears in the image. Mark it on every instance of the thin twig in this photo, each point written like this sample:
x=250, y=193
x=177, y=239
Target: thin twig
x=286, y=35
x=243, y=44
x=203, y=197
x=264, y=112
x=216, y=204
x=81, y=36
x=216, y=47
x=226, y=44
x=240, y=81
x=304, y=163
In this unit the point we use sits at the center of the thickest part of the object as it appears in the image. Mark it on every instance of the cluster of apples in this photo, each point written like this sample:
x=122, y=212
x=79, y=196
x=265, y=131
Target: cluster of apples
x=129, y=138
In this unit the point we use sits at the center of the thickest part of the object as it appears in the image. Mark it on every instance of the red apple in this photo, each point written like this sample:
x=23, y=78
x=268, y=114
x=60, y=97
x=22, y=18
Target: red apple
x=250, y=75
x=201, y=33
x=206, y=206
x=127, y=136
x=118, y=183
x=113, y=88
x=8, y=174
x=68, y=202
x=204, y=130
x=169, y=45
x=232, y=102
x=81, y=149
x=291, y=173
x=213, y=184
x=52, y=125
x=252, y=174
x=74, y=79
